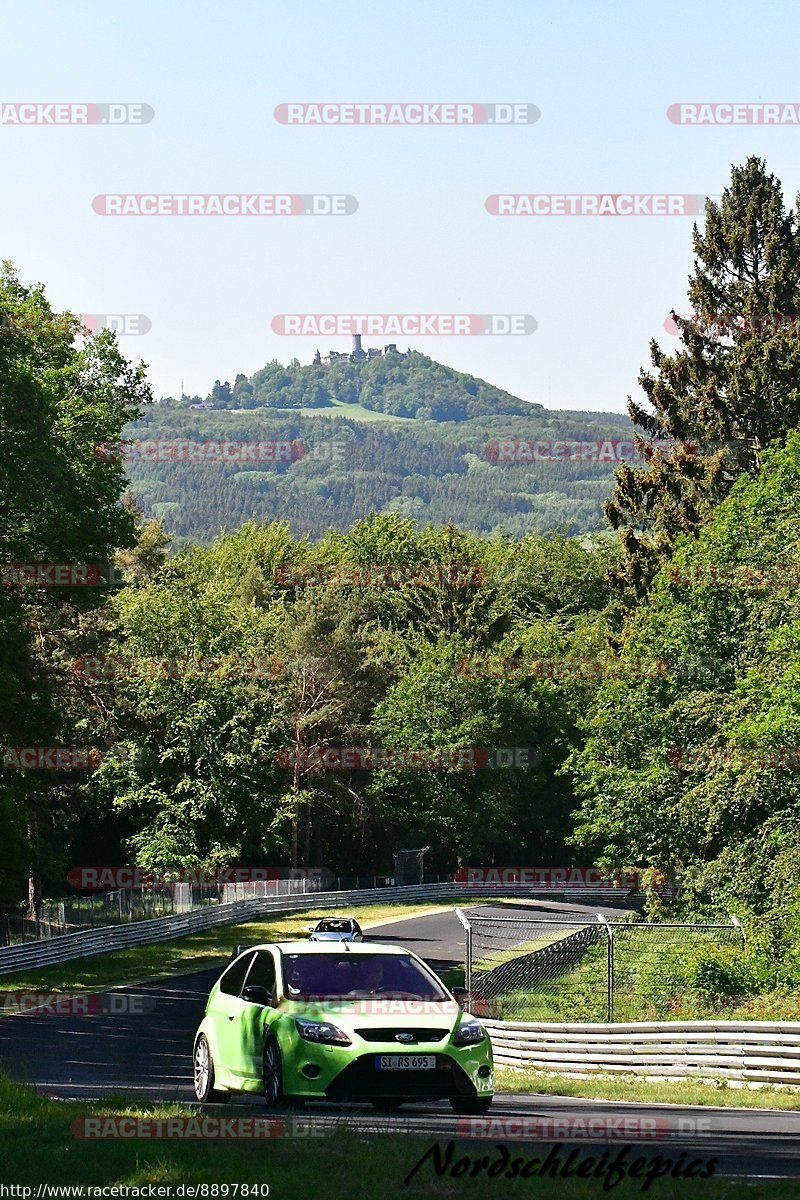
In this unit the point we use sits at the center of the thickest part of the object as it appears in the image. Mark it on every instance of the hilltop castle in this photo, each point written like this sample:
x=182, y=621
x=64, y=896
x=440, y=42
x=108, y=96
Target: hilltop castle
x=356, y=353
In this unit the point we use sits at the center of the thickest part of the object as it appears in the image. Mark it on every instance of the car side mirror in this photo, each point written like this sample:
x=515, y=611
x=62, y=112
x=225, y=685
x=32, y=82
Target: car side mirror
x=254, y=994
x=460, y=995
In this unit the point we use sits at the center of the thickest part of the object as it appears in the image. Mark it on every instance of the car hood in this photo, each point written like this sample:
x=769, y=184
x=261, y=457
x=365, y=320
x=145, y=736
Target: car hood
x=378, y=1013
x=332, y=937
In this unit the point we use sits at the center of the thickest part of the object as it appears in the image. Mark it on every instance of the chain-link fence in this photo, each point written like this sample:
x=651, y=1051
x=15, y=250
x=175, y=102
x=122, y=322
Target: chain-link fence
x=96, y=909
x=553, y=969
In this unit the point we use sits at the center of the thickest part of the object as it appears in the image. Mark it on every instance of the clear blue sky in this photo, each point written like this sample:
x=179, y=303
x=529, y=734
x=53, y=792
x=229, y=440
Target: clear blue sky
x=602, y=75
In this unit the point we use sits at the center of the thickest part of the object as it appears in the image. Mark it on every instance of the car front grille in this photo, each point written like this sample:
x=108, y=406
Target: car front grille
x=390, y=1035
x=361, y=1081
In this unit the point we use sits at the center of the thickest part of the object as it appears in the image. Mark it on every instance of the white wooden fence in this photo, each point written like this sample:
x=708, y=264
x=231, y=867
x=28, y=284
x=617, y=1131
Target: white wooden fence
x=762, y=1051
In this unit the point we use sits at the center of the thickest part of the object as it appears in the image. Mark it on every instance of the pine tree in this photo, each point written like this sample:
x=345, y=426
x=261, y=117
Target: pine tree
x=732, y=387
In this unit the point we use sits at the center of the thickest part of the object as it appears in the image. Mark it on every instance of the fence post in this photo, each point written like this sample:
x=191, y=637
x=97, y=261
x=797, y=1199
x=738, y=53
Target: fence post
x=609, y=968
x=738, y=924
x=467, y=956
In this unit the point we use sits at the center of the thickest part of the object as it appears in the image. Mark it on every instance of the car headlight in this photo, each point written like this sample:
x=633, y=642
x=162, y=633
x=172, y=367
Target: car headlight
x=468, y=1033
x=321, y=1031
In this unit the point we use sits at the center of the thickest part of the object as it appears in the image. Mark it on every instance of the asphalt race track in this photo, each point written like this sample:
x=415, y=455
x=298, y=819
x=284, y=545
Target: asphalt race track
x=147, y=1053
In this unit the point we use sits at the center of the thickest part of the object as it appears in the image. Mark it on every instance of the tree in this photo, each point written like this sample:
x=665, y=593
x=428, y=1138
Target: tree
x=221, y=394
x=194, y=765
x=732, y=388
x=243, y=393
x=143, y=561
x=325, y=696
x=465, y=810
x=697, y=770
x=59, y=503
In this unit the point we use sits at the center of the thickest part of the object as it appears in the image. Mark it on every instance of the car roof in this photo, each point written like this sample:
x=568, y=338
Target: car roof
x=335, y=917
x=329, y=948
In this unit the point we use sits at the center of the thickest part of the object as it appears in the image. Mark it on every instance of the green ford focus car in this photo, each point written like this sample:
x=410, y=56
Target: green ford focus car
x=300, y=1021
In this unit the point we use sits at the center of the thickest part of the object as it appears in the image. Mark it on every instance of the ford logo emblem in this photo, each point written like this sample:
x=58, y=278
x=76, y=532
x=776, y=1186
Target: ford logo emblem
x=404, y=1037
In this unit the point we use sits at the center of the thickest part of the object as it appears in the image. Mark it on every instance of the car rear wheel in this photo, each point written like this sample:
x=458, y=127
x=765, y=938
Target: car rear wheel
x=204, y=1075
x=471, y=1106
x=273, y=1074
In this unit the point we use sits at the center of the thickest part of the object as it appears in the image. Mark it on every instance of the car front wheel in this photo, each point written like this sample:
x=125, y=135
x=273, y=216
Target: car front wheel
x=204, y=1075
x=273, y=1074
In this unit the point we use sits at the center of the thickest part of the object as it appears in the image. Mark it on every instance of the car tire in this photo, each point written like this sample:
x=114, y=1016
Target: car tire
x=204, y=1088
x=471, y=1106
x=272, y=1074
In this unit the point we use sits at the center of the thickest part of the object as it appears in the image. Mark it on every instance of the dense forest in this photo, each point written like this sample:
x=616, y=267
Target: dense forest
x=291, y=690
x=431, y=470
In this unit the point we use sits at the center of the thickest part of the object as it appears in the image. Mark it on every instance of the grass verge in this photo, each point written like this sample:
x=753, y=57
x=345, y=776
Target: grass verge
x=711, y=1093
x=40, y=1147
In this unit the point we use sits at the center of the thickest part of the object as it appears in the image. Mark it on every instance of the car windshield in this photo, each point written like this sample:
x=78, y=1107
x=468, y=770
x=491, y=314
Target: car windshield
x=354, y=976
x=333, y=927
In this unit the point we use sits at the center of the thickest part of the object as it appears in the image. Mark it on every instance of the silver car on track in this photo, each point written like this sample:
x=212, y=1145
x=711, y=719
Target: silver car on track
x=337, y=929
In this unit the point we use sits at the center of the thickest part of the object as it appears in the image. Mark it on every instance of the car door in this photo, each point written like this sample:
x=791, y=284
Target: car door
x=255, y=1016
x=228, y=1009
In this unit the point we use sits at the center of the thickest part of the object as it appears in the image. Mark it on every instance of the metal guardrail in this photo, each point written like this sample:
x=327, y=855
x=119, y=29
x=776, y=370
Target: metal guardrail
x=85, y=943
x=758, y=1051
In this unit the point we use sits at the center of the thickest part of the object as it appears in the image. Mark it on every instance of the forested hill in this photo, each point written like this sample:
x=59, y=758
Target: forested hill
x=396, y=434
x=400, y=385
